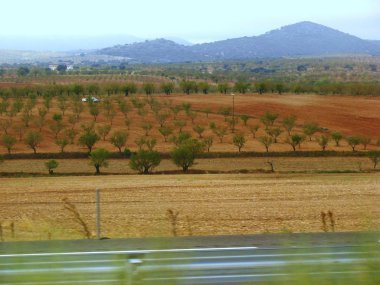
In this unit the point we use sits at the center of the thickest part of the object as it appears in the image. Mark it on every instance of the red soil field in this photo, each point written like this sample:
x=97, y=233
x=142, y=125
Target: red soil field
x=347, y=114
x=352, y=115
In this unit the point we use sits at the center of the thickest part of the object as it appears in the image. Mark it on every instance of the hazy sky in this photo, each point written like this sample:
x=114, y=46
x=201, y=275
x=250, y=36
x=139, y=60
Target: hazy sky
x=193, y=20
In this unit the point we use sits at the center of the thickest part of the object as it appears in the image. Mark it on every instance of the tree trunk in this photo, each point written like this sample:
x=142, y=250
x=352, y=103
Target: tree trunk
x=97, y=167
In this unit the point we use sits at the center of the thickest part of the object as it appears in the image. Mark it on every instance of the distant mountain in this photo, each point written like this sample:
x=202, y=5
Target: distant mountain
x=179, y=41
x=301, y=39
x=154, y=51
x=376, y=42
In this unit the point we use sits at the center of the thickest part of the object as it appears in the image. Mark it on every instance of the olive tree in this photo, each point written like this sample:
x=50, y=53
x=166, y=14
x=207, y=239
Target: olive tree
x=119, y=139
x=103, y=131
x=8, y=142
x=89, y=138
x=253, y=129
x=220, y=132
x=239, y=141
x=365, y=141
x=267, y=141
x=167, y=87
x=165, y=132
x=323, y=142
x=99, y=158
x=274, y=133
x=33, y=139
x=374, y=156
x=62, y=142
x=289, y=123
x=268, y=119
x=184, y=154
x=294, y=141
x=208, y=142
x=309, y=129
x=353, y=141
x=337, y=137
x=144, y=161
x=199, y=130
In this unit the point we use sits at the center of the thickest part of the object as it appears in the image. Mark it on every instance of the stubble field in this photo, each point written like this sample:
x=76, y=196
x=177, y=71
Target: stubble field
x=136, y=206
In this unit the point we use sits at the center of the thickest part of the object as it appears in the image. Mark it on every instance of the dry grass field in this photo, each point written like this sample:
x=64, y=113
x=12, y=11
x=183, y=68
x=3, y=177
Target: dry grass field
x=349, y=115
x=136, y=206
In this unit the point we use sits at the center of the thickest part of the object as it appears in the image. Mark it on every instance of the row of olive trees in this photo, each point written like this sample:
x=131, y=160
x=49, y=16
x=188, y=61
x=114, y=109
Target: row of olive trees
x=146, y=159
x=129, y=88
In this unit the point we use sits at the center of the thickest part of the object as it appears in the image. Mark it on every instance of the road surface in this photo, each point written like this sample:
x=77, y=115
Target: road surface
x=344, y=258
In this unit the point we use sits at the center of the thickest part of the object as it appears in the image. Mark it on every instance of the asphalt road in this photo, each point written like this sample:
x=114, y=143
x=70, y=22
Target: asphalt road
x=258, y=259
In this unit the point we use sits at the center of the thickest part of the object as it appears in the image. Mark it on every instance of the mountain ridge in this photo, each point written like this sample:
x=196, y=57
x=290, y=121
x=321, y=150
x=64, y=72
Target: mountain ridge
x=296, y=40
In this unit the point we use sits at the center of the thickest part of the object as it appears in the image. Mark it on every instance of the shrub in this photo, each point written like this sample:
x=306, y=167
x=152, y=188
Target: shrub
x=144, y=161
x=245, y=119
x=127, y=153
x=51, y=165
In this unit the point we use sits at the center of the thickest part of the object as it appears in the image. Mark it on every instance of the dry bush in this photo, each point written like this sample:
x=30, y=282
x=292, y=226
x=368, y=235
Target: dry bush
x=173, y=219
x=77, y=217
